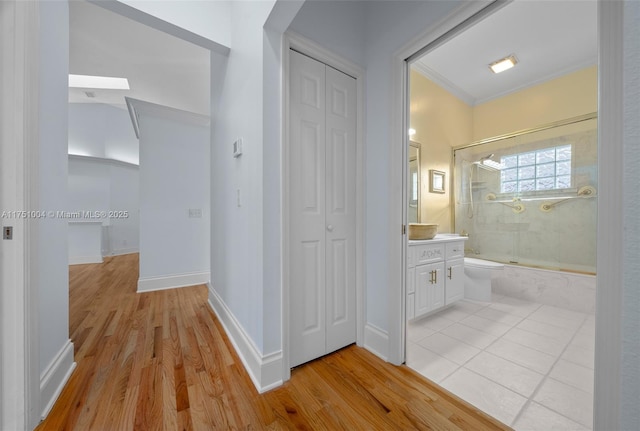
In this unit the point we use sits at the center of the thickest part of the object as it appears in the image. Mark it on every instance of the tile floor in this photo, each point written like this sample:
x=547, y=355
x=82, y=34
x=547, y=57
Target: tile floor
x=527, y=364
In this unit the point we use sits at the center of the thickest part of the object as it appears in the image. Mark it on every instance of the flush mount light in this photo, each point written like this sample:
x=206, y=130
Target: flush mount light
x=101, y=82
x=503, y=64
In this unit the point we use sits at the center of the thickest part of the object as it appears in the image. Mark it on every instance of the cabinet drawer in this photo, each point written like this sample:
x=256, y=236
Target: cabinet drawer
x=455, y=250
x=429, y=253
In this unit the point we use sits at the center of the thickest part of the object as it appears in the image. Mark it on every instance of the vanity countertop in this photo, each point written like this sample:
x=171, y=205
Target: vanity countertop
x=441, y=237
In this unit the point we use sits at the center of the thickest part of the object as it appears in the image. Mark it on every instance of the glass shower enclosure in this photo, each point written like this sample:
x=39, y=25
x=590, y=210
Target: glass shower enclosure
x=530, y=198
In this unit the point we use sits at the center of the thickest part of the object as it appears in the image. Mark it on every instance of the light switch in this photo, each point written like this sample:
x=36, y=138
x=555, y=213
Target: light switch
x=237, y=148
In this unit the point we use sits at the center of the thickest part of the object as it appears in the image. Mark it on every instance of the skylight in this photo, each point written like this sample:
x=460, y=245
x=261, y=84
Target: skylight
x=98, y=82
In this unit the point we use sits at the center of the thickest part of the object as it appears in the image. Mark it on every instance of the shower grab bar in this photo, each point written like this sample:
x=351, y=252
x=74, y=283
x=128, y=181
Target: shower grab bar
x=510, y=201
x=585, y=192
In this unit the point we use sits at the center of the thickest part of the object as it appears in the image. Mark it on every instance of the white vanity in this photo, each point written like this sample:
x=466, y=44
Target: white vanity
x=435, y=273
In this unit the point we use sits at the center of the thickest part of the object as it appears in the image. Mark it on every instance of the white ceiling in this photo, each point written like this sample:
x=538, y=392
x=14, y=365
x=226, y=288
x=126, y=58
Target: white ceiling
x=160, y=68
x=550, y=38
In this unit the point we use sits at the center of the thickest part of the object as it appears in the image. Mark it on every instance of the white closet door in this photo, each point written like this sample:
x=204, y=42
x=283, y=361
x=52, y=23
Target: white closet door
x=322, y=205
x=340, y=209
x=307, y=203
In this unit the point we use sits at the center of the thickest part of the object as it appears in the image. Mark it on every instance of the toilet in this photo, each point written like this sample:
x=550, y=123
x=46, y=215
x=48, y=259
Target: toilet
x=477, y=280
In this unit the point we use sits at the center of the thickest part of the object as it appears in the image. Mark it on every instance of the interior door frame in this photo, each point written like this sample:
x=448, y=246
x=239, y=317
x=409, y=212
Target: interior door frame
x=460, y=19
x=610, y=236
x=298, y=43
x=19, y=364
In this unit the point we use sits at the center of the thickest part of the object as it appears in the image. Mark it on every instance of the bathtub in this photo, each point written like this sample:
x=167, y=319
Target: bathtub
x=573, y=291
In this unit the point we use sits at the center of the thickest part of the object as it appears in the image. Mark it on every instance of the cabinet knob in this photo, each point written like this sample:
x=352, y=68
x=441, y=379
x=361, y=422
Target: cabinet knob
x=330, y=227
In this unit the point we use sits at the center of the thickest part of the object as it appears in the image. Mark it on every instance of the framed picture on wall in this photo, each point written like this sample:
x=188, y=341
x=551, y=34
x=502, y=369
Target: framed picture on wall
x=436, y=185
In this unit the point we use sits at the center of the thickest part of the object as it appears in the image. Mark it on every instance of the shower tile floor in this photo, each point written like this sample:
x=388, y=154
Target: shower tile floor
x=527, y=364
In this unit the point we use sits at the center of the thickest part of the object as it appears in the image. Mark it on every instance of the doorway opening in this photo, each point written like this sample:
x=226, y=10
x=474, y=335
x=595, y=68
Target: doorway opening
x=518, y=353
x=118, y=204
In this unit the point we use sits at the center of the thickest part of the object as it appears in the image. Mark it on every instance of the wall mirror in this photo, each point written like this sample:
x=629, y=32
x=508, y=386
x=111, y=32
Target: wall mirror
x=414, y=182
x=437, y=181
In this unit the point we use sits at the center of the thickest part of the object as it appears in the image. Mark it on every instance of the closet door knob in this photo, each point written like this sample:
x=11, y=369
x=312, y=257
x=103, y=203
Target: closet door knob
x=330, y=227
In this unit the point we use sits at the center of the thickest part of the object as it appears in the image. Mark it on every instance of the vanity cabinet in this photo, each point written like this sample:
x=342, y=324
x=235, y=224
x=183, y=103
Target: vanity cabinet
x=454, y=268
x=435, y=274
x=430, y=288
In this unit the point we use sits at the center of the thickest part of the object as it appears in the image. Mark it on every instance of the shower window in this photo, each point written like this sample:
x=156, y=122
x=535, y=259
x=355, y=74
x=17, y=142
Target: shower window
x=544, y=169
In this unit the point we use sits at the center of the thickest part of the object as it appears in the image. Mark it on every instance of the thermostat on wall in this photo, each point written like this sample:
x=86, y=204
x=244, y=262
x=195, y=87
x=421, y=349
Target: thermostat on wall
x=237, y=148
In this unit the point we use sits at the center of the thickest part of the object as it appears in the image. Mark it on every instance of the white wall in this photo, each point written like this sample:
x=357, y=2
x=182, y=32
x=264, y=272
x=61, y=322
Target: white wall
x=105, y=185
x=246, y=240
x=55, y=358
x=237, y=231
x=124, y=231
x=105, y=176
x=209, y=19
x=99, y=130
x=54, y=279
x=630, y=319
x=174, y=178
x=338, y=26
x=85, y=242
x=390, y=26
x=89, y=185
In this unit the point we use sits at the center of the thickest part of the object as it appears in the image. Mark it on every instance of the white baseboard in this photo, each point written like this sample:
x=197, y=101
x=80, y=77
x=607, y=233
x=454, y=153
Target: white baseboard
x=172, y=281
x=81, y=260
x=121, y=251
x=265, y=371
x=376, y=341
x=53, y=379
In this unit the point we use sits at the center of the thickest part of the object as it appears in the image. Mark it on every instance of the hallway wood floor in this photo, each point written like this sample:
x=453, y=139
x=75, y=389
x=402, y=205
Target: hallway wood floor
x=161, y=360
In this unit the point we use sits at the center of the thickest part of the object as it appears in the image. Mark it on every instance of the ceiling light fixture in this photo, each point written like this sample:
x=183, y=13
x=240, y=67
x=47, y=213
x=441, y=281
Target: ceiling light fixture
x=503, y=64
x=101, y=82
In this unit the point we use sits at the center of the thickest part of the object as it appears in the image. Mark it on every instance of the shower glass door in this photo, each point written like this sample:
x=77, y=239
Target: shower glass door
x=531, y=198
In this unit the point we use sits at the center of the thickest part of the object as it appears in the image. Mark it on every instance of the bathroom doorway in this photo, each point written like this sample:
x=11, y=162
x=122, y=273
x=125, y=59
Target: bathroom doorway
x=526, y=356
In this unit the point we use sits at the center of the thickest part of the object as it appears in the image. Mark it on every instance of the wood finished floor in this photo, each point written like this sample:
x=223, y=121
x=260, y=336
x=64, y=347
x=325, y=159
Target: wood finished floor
x=161, y=361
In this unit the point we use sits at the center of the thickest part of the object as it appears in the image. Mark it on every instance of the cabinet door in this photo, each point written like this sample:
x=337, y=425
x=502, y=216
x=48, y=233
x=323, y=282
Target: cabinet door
x=454, y=281
x=429, y=288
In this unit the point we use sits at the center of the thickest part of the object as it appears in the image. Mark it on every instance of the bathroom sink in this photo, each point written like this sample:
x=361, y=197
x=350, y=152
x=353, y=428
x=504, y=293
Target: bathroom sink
x=422, y=230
